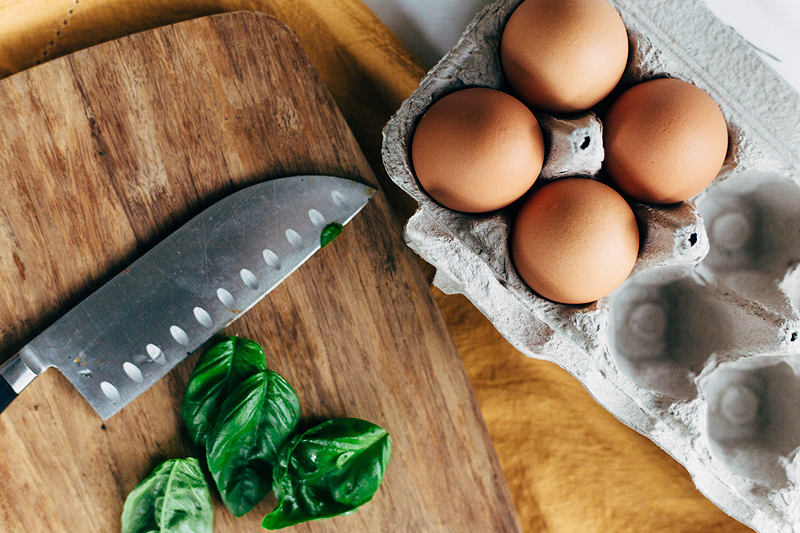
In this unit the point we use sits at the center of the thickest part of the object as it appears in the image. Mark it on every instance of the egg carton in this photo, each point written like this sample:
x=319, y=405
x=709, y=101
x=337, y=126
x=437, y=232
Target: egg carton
x=698, y=348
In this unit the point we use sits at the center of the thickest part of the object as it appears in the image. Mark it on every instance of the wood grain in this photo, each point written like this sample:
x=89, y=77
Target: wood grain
x=104, y=153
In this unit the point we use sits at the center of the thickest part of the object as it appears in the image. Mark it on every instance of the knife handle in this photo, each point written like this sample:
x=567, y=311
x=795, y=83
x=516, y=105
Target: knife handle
x=14, y=376
x=7, y=393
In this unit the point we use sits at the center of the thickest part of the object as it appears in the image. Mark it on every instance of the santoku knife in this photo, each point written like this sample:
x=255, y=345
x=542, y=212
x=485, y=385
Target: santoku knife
x=130, y=332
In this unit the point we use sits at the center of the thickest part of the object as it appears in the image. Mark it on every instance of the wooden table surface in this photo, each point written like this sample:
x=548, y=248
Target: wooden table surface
x=570, y=465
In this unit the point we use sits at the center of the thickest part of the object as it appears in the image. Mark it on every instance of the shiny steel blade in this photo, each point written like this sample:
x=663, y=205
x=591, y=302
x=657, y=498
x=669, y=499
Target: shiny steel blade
x=135, y=328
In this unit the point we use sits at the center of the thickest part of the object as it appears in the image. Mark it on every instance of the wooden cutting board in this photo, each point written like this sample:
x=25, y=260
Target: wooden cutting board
x=105, y=152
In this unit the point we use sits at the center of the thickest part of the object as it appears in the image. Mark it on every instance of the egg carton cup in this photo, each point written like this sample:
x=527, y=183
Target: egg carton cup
x=697, y=349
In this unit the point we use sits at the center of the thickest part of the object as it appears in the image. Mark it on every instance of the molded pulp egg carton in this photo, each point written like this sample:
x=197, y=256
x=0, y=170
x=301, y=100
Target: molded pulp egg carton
x=697, y=350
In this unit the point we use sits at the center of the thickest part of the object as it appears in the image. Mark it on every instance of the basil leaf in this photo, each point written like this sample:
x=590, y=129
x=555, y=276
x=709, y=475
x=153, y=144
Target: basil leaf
x=330, y=232
x=331, y=469
x=216, y=373
x=174, y=498
x=254, y=422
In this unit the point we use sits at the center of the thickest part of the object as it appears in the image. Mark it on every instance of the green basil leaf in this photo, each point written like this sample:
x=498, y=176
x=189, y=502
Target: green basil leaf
x=330, y=232
x=254, y=422
x=216, y=373
x=174, y=498
x=330, y=470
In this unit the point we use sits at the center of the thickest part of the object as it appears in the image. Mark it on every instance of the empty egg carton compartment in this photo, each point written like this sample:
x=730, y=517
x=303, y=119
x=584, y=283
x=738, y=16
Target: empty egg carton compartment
x=666, y=325
x=753, y=220
x=753, y=419
x=695, y=350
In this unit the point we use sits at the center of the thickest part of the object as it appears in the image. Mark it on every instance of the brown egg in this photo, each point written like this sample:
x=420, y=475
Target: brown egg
x=665, y=141
x=574, y=240
x=564, y=56
x=477, y=150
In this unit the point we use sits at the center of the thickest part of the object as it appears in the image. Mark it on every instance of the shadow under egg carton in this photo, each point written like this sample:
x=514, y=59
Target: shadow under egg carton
x=701, y=307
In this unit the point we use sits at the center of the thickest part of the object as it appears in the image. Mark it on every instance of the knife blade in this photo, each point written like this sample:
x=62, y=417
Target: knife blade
x=148, y=318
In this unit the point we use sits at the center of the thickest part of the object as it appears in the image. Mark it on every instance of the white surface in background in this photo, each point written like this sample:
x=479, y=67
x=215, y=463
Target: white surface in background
x=431, y=27
x=772, y=26
x=428, y=27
